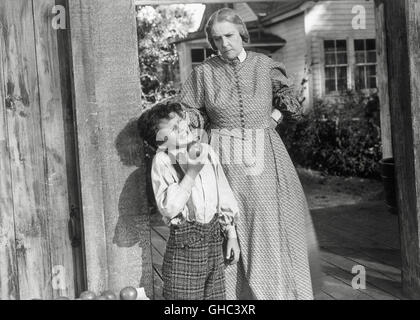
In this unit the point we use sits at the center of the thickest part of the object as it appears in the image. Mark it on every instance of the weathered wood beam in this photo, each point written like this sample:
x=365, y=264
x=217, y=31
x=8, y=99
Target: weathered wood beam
x=382, y=79
x=53, y=83
x=403, y=38
x=106, y=98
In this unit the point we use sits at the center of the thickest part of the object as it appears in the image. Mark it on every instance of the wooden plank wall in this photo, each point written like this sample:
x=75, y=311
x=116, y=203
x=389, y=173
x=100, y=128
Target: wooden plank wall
x=9, y=283
x=36, y=256
x=293, y=53
x=107, y=96
x=52, y=109
x=29, y=194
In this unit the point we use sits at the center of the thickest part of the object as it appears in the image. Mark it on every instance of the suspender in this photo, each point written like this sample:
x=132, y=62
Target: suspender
x=178, y=170
x=181, y=176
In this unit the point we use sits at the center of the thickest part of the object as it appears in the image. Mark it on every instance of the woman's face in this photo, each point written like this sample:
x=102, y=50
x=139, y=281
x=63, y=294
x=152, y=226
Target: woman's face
x=227, y=39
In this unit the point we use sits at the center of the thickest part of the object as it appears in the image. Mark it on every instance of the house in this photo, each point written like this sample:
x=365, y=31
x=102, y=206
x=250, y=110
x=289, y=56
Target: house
x=331, y=44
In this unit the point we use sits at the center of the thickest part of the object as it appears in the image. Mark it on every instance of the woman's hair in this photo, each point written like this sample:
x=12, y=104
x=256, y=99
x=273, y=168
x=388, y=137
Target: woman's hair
x=226, y=14
x=148, y=122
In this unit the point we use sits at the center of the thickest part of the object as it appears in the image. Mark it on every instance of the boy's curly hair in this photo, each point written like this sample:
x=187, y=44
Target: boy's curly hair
x=148, y=122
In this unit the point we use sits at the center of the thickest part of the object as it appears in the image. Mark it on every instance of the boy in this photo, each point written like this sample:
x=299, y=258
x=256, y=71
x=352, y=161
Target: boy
x=196, y=201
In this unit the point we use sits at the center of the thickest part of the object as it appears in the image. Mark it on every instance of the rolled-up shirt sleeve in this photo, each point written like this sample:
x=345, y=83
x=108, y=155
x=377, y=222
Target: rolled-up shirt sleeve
x=229, y=209
x=171, y=197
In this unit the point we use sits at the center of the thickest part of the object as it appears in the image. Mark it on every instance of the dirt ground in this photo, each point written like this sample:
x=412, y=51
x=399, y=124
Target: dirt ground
x=331, y=191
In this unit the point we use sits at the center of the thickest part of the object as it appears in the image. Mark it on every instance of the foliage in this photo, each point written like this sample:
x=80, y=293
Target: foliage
x=157, y=28
x=153, y=90
x=338, y=138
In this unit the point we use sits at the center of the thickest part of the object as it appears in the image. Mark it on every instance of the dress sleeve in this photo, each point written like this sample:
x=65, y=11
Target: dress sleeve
x=192, y=98
x=284, y=97
x=170, y=197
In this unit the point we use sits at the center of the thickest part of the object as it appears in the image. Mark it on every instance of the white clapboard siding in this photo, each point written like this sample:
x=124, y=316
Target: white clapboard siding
x=293, y=53
x=184, y=55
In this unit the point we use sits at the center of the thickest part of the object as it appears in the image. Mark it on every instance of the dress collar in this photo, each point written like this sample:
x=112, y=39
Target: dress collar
x=242, y=55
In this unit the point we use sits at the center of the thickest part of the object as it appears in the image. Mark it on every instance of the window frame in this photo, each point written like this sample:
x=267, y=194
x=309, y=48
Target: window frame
x=365, y=64
x=351, y=64
x=204, y=48
x=324, y=66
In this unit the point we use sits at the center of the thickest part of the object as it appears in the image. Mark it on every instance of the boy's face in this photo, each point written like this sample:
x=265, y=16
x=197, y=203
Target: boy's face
x=174, y=132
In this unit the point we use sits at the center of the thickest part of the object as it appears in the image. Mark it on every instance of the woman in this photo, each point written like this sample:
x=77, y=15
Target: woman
x=231, y=95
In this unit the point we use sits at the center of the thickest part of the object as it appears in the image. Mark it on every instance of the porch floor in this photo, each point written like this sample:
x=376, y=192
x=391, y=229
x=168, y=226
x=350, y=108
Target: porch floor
x=364, y=234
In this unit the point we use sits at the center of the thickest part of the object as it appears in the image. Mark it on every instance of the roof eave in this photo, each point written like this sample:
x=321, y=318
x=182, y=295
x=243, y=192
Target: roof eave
x=270, y=20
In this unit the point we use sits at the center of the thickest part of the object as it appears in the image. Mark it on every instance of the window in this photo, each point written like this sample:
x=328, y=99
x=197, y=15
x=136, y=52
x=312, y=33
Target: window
x=365, y=70
x=335, y=65
x=199, y=55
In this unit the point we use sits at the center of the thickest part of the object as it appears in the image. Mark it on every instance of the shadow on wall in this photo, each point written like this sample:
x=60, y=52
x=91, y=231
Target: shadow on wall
x=133, y=225
x=133, y=206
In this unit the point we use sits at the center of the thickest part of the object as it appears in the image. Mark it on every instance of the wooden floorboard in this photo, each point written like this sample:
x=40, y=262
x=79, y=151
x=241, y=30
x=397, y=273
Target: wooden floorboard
x=157, y=286
x=374, y=278
x=341, y=291
x=365, y=235
x=359, y=257
x=347, y=277
x=322, y=295
x=157, y=260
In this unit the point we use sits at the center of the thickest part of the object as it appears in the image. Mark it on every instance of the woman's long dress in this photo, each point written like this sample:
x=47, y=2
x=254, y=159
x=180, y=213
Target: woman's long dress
x=235, y=102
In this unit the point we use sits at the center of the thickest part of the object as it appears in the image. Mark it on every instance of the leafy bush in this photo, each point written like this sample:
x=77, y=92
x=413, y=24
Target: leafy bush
x=338, y=138
x=153, y=91
x=157, y=28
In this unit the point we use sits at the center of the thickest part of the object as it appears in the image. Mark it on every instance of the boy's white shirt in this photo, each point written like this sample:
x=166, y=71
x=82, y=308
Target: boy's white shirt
x=200, y=203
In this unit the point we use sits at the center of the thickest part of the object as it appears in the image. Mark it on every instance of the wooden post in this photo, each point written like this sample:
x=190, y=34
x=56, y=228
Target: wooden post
x=403, y=38
x=112, y=176
x=382, y=79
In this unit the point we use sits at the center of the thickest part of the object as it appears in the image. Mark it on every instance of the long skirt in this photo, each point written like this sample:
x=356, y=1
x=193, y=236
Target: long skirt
x=279, y=250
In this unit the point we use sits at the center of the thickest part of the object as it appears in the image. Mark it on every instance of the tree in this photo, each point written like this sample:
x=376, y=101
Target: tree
x=157, y=28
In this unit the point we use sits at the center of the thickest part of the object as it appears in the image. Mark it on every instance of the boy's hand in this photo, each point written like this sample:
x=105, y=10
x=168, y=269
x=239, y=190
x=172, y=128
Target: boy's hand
x=232, y=251
x=195, y=164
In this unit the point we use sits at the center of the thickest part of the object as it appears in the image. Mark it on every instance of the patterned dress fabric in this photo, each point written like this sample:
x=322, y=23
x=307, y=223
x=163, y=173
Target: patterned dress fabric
x=234, y=101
